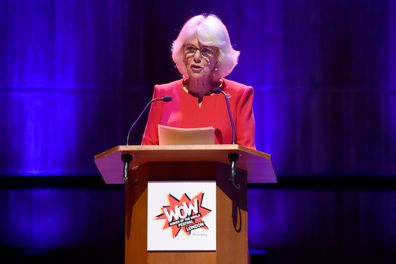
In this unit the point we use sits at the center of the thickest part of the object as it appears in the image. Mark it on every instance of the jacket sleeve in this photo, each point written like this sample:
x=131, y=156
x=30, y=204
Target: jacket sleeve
x=150, y=135
x=245, y=123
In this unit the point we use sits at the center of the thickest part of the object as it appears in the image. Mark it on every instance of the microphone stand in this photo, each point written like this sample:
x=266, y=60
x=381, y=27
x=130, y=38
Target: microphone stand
x=232, y=157
x=126, y=157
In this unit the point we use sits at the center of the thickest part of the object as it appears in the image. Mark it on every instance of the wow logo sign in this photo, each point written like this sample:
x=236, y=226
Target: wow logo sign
x=184, y=214
x=181, y=216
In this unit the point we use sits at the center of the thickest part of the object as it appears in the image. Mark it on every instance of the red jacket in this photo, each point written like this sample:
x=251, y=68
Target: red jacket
x=184, y=112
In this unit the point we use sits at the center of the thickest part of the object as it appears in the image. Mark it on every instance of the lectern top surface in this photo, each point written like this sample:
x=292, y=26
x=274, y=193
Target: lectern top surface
x=257, y=164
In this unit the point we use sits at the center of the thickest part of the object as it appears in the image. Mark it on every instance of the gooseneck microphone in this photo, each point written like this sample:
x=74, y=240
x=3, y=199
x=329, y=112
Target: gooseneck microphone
x=232, y=157
x=165, y=99
x=126, y=157
x=217, y=91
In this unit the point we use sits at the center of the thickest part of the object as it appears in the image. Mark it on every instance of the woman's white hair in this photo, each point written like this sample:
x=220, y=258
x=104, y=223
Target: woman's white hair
x=210, y=31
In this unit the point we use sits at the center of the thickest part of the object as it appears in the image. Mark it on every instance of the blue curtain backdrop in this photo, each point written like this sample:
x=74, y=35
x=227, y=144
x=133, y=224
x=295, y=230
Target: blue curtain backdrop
x=74, y=75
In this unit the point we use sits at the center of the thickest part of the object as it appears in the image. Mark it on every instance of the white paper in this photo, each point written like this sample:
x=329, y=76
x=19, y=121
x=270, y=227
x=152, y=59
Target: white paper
x=186, y=136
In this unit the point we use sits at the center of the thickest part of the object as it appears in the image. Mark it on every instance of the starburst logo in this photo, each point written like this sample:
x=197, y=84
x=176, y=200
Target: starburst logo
x=185, y=214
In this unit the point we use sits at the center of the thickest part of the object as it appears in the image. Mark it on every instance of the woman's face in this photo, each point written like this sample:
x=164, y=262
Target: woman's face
x=200, y=60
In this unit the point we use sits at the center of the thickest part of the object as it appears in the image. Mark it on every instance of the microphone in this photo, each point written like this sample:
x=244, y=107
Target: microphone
x=232, y=157
x=165, y=99
x=126, y=157
x=218, y=91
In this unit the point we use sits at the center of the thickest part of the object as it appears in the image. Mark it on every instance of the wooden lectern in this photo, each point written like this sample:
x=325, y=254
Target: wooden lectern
x=187, y=163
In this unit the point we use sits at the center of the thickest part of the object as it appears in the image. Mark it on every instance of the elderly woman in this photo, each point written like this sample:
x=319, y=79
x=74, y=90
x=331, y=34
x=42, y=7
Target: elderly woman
x=204, y=56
